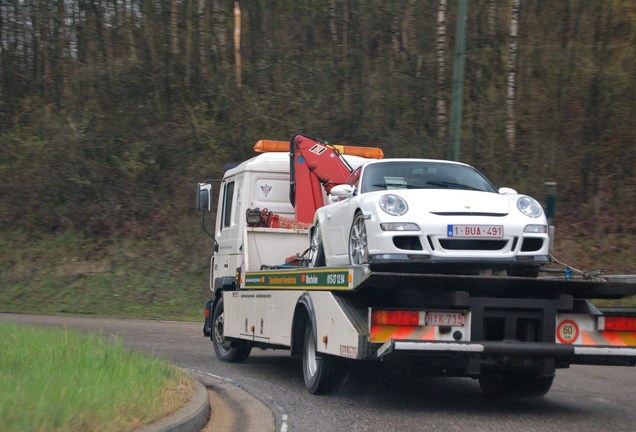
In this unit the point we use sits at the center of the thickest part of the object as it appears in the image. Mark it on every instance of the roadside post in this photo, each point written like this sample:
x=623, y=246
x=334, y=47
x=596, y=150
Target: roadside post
x=550, y=198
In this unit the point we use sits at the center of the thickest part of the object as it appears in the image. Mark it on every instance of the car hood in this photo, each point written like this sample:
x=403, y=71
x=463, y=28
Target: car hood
x=455, y=201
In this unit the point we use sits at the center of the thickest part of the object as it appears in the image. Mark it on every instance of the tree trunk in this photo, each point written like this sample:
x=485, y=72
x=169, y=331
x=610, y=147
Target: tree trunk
x=174, y=29
x=333, y=24
x=237, y=43
x=218, y=24
x=129, y=19
x=512, y=75
x=203, y=56
x=188, y=43
x=395, y=41
x=492, y=17
x=442, y=108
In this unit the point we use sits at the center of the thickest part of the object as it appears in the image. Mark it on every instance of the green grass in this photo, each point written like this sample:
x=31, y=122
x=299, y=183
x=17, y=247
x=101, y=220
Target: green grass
x=163, y=277
x=58, y=380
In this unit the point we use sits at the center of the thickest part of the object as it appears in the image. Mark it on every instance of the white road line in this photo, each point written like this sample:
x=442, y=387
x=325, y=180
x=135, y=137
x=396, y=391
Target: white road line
x=284, y=417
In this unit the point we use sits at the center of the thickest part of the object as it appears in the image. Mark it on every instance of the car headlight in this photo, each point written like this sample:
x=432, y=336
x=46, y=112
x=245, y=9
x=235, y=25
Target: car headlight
x=529, y=207
x=393, y=205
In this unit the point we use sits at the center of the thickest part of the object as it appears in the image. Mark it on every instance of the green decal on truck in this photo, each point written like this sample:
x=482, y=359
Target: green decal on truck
x=315, y=279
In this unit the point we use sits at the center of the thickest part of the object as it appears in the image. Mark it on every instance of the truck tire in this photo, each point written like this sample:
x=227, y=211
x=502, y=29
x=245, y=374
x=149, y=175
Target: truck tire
x=226, y=351
x=317, y=251
x=515, y=384
x=322, y=374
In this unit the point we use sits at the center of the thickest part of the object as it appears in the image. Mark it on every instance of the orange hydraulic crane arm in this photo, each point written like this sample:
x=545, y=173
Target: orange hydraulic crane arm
x=315, y=163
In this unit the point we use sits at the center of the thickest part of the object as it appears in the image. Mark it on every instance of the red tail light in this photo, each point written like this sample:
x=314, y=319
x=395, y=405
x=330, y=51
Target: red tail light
x=395, y=317
x=617, y=323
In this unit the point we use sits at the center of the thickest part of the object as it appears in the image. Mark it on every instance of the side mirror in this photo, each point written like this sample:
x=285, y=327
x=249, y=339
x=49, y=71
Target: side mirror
x=342, y=191
x=507, y=191
x=204, y=196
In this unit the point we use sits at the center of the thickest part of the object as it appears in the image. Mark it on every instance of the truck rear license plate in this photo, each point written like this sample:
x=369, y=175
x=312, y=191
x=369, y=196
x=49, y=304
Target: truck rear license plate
x=475, y=231
x=445, y=319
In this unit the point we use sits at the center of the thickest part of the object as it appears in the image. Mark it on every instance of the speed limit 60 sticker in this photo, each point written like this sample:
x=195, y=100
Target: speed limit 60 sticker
x=567, y=331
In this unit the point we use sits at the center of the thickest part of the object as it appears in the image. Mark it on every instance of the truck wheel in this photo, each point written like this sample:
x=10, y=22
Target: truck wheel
x=358, y=247
x=316, y=250
x=231, y=352
x=511, y=384
x=322, y=374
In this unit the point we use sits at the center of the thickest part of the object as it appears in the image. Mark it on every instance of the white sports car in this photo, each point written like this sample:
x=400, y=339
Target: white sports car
x=429, y=215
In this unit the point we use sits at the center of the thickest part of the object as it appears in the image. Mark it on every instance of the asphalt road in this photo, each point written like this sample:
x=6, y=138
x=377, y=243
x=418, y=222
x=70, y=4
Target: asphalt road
x=583, y=398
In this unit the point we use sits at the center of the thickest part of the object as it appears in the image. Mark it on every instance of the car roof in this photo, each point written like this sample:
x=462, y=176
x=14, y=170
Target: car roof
x=440, y=161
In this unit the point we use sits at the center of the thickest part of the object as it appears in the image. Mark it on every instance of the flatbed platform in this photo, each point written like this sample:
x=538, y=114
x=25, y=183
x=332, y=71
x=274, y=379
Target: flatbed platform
x=358, y=278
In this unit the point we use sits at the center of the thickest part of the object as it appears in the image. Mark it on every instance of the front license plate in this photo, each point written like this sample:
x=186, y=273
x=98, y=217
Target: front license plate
x=475, y=231
x=455, y=319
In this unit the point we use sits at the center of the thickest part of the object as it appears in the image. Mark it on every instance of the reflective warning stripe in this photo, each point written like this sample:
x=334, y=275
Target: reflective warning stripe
x=608, y=338
x=381, y=333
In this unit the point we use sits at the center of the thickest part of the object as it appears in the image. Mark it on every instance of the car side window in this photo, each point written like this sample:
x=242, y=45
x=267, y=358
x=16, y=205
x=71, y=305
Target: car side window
x=354, y=178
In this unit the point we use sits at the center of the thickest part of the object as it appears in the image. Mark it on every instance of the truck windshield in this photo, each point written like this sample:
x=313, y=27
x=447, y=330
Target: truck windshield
x=422, y=175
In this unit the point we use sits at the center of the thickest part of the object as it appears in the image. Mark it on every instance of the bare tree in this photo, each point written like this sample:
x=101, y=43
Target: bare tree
x=237, y=43
x=174, y=28
x=512, y=75
x=219, y=45
x=442, y=109
x=203, y=54
x=333, y=24
x=492, y=15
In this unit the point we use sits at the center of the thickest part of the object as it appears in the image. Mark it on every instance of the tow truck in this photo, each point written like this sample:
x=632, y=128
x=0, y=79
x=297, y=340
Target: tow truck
x=510, y=333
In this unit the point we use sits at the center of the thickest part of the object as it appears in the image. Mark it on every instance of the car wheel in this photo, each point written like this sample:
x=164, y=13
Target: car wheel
x=358, y=246
x=316, y=250
x=225, y=350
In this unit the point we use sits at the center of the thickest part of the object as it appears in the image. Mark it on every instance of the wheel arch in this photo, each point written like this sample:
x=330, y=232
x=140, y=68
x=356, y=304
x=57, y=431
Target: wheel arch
x=303, y=313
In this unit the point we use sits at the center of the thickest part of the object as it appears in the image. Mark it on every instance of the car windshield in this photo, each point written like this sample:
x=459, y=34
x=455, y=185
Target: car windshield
x=422, y=175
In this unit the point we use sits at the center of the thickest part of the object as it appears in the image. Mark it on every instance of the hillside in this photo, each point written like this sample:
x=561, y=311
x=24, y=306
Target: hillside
x=111, y=111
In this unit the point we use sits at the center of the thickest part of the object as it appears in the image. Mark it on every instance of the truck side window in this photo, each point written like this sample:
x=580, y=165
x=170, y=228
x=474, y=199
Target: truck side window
x=227, y=204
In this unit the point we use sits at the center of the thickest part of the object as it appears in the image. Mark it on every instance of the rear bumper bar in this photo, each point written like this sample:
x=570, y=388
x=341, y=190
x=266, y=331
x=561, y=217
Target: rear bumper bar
x=538, y=350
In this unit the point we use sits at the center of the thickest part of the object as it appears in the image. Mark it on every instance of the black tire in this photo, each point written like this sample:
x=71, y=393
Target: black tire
x=316, y=249
x=226, y=351
x=515, y=384
x=358, y=246
x=323, y=374
x=523, y=271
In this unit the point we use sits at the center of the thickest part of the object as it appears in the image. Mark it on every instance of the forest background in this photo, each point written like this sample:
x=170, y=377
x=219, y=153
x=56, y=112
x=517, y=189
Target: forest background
x=112, y=110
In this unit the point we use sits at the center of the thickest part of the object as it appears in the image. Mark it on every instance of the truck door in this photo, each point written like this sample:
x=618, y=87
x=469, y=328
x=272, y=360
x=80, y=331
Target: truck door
x=228, y=256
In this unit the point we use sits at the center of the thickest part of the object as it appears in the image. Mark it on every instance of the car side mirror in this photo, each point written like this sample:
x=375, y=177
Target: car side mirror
x=507, y=191
x=342, y=191
x=204, y=196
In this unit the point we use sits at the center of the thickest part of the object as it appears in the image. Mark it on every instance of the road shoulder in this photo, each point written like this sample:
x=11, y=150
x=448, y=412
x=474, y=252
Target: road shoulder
x=234, y=409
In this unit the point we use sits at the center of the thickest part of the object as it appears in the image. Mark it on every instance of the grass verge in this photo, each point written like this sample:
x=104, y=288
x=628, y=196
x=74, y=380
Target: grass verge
x=59, y=380
x=160, y=277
